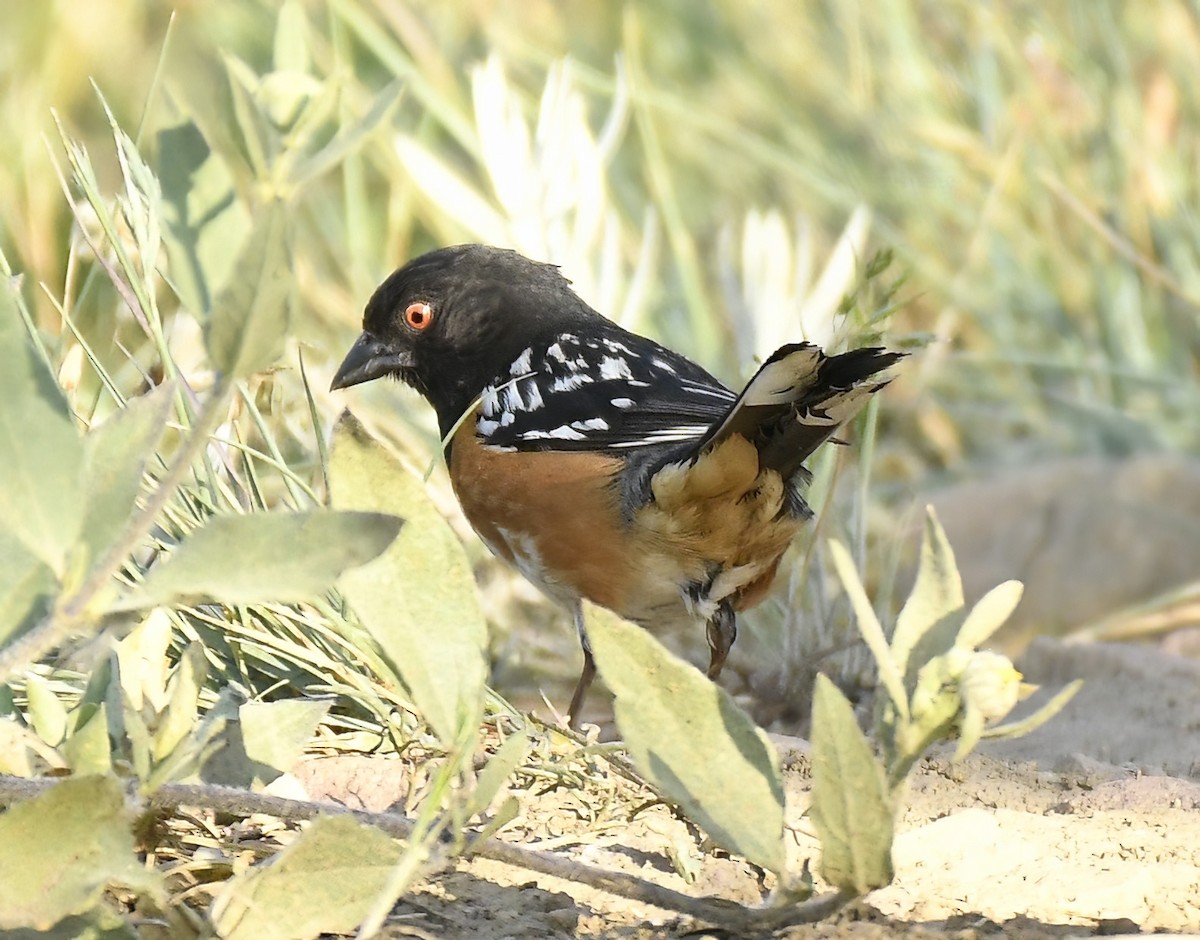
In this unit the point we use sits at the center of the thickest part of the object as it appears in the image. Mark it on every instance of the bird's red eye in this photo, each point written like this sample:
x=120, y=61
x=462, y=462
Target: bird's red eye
x=418, y=316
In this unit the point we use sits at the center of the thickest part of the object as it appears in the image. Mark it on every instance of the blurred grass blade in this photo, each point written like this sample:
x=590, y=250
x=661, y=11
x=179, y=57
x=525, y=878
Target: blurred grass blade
x=690, y=740
x=323, y=883
x=250, y=318
x=60, y=850
x=454, y=196
x=291, y=39
x=348, y=139
x=41, y=500
x=115, y=455
x=419, y=600
x=206, y=223
x=851, y=809
x=264, y=557
x=936, y=594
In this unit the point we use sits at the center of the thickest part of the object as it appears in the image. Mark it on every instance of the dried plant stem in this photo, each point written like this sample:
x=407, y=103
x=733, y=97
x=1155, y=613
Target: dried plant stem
x=235, y=802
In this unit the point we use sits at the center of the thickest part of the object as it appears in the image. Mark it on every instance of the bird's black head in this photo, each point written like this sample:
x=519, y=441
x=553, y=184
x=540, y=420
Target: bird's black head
x=450, y=322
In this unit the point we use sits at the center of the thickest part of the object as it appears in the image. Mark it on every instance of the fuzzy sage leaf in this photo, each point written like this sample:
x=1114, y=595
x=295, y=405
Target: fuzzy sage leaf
x=249, y=321
x=852, y=807
x=418, y=600
x=692, y=741
x=41, y=501
x=264, y=557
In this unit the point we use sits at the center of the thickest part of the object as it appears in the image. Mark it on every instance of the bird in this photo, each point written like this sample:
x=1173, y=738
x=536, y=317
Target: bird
x=602, y=465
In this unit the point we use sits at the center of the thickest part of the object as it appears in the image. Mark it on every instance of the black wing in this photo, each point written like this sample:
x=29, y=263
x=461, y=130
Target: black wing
x=610, y=390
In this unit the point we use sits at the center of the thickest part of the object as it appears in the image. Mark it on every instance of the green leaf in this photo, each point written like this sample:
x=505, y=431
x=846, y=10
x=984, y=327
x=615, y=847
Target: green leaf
x=419, y=599
x=206, y=223
x=142, y=663
x=989, y=614
x=936, y=594
x=890, y=674
x=851, y=808
x=26, y=588
x=40, y=494
x=100, y=923
x=690, y=740
x=115, y=455
x=250, y=318
x=60, y=850
x=291, y=38
x=324, y=882
x=264, y=557
x=47, y=713
x=178, y=718
x=22, y=752
x=1015, y=729
x=508, y=757
x=87, y=748
x=276, y=733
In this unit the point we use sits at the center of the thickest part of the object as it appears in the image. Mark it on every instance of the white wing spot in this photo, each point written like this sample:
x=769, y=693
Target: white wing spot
x=507, y=418
x=663, y=364
x=521, y=365
x=533, y=395
x=621, y=348
x=510, y=398
x=614, y=367
x=487, y=427
x=622, y=402
x=490, y=401
x=591, y=424
x=568, y=383
x=561, y=433
x=555, y=352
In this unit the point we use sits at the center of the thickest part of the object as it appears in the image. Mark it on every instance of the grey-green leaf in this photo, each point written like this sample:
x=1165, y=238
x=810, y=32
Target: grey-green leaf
x=26, y=588
x=115, y=455
x=275, y=733
x=419, y=600
x=689, y=738
x=851, y=808
x=60, y=850
x=40, y=496
x=324, y=882
x=249, y=321
x=890, y=674
x=936, y=594
x=264, y=557
x=989, y=614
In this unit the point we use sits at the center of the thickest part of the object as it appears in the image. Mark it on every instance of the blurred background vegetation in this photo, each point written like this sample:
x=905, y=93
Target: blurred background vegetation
x=707, y=172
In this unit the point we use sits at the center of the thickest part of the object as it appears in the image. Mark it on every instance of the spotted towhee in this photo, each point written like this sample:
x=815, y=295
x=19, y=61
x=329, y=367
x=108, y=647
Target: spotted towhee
x=599, y=463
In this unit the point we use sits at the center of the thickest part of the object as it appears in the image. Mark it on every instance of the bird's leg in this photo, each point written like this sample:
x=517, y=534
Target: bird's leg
x=722, y=631
x=586, y=675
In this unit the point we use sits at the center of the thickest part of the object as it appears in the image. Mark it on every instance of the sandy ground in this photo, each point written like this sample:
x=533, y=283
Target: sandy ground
x=1090, y=826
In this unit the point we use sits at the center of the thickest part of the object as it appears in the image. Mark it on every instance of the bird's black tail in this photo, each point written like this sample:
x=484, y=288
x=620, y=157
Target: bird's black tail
x=798, y=399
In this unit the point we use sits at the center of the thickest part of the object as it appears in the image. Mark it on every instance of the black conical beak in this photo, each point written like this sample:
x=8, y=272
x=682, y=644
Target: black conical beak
x=368, y=359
